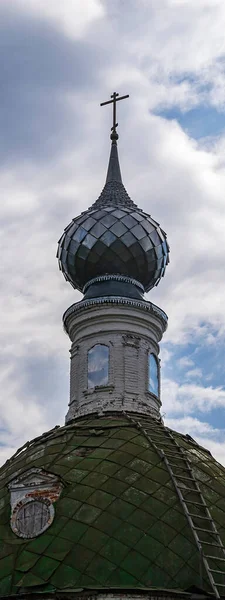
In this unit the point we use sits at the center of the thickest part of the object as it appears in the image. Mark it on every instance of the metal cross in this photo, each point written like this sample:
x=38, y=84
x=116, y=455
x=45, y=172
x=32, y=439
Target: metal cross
x=114, y=100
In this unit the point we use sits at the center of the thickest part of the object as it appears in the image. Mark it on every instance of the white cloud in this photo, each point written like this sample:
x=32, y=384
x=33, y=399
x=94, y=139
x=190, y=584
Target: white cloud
x=72, y=16
x=185, y=361
x=188, y=398
x=194, y=373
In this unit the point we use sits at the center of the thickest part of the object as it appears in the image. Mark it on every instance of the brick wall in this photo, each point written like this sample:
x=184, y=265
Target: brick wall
x=130, y=332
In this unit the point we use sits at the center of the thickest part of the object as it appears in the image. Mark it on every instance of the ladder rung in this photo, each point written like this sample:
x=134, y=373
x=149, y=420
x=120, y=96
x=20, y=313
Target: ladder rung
x=198, y=517
x=191, y=490
x=216, y=571
x=211, y=532
x=164, y=443
x=174, y=465
x=175, y=455
x=212, y=544
x=186, y=478
x=219, y=584
x=197, y=503
x=215, y=557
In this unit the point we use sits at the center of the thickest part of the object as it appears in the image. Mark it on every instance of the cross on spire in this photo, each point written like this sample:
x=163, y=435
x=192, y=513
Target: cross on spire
x=115, y=98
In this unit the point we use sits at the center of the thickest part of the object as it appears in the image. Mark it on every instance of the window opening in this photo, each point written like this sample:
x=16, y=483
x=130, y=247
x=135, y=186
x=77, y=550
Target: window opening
x=98, y=365
x=153, y=374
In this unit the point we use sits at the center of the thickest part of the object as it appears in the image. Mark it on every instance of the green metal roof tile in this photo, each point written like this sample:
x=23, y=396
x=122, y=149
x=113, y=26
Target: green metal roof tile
x=26, y=560
x=70, y=461
x=5, y=549
x=87, y=513
x=114, y=486
x=120, y=508
x=134, y=496
x=114, y=551
x=112, y=443
x=94, y=479
x=141, y=440
x=93, y=441
x=119, y=457
x=135, y=563
x=65, y=577
x=108, y=468
x=59, y=522
x=79, y=492
x=40, y=543
x=149, y=547
x=159, y=474
x=139, y=465
x=100, y=499
x=182, y=546
x=101, y=452
x=79, y=557
x=59, y=548
x=125, y=434
x=173, y=516
x=6, y=585
x=68, y=506
x=128, y=534
x=146, y=485
x=154, y=506
x=186, y=574
x=72, y=531
x=100, y=569
x=132, y=448
x=45, y=567
x=120, y=578
x=162, y=532
x=86, y=581
x=93, y=538
x=30, y=580
x=128, y=475
x=141, y=519
x=157, y=577
x=107, y=523
x=171, y=561
x=58, y=469
x=75, y=475
x=6, y=565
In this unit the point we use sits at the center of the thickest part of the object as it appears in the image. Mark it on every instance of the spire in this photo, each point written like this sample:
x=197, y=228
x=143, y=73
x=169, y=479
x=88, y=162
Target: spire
x=113, y=173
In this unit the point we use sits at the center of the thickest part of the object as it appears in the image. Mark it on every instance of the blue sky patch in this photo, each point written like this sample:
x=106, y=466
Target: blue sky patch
x=199, y=122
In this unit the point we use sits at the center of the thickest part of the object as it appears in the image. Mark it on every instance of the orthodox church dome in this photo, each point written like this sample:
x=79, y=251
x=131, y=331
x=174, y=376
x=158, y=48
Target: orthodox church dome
x=113, y=504
x=113, y=237
x=118, y=523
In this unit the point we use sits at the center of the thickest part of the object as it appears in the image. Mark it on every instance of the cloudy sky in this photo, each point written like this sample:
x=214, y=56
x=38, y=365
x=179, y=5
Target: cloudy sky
x=58, y=61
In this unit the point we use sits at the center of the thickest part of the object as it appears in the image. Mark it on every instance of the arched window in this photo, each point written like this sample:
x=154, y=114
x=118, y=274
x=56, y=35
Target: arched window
x=153, y=374
x=98, y=365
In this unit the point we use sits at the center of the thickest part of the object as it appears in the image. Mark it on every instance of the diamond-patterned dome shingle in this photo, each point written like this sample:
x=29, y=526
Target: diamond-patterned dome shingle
x=113, y=237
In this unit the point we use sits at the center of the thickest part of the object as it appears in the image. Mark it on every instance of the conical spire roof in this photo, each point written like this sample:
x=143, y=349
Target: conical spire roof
x=114, y=173
x=114, y=191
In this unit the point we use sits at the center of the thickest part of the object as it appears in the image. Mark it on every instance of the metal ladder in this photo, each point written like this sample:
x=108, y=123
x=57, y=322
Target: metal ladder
x=188, y=488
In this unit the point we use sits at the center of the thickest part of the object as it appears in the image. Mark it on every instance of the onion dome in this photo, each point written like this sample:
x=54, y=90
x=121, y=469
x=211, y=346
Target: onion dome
x=113, y=237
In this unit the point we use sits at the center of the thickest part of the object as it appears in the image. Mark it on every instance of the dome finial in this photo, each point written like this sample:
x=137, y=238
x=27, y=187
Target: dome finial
x=115, y=98
x=113, y=173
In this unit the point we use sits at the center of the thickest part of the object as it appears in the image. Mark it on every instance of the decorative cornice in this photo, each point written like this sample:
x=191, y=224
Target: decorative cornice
x=122, y=278
x=142, y=305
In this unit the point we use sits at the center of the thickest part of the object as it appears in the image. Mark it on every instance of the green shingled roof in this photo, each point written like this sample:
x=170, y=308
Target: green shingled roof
x=119, y=522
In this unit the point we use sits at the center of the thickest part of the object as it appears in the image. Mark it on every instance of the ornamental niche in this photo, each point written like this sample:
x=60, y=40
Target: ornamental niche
x=32, y=495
